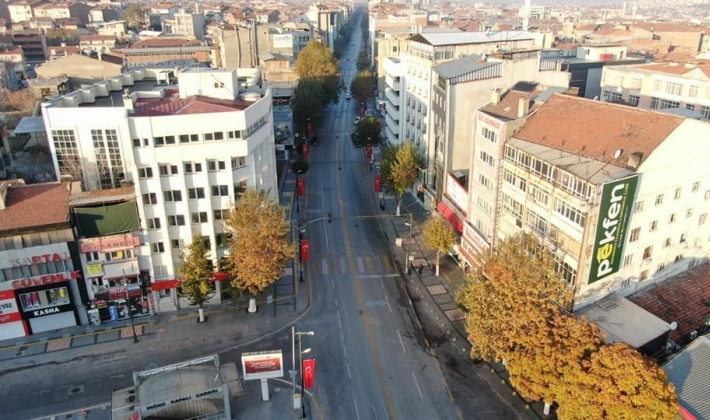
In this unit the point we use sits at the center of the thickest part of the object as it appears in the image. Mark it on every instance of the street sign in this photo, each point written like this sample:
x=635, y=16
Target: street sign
x=378, y=183
x=305, y=250
x=301, y=184
x=270, y=299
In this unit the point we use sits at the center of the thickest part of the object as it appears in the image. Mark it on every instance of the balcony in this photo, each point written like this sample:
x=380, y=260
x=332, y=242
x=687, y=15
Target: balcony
x=392, y=122
x=393, y=97
x=393, y=83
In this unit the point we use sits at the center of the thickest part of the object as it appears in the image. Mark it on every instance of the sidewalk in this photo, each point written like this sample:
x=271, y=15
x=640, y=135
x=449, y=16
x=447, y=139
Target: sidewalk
x=433, y=300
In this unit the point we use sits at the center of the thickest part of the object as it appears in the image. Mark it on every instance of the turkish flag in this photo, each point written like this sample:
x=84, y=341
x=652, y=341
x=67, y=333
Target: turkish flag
x=368, y=151
x=378, y=183
x=309, y=372
x=305, y=151
x=305, y=249
x=309, y=130
x=301, y=184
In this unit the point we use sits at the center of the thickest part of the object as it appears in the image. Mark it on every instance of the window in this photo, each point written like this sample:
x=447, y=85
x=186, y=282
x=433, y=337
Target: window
x=639, y=207
x=701, y=220
x=67, y=151
x=489, y=135
x=166, y=170
x=682, y=238
x=239, y=162
x=668, y=104
x=146, y=172
x=239, y=188
x=188, y=167
x=235, y=134
x=626, y=282
x=693, y=91
x=154, y=223
x=146, y=142
x=657, y=85
x=487, y=159
x=537, y=223
x=661, y=267
x=634, y=100
x=195, y=193
x=174, y=195
x=654, y=103
x=150, y=198
x=677, y=193
x=485, y=182
x=696, y=186
x=157, y=247
x=175, y=243
x=705, y=111
x=643, y=275
x=158, y=141
x=92, y=256
x=119, y=255
x=192, y=167
x=219, y=135
x=707, y=194
x=672, y=219
x=176, y=220
x=690, y=107
x=218, y=85
x=659, y=199
x=216, y=165
x=635, y=233
x=689, y=213
x=220, y=214
x=189, y=138
x=200, y=217
x=207, y=242
x=674, y=88
x=667, y=243
x=648, y=252
x=220, y=191
x=221, y=240
x=679, y=257
x=654, y=226
x=136, y=142
x=515, y=180
x=570, y=213
x=484, y=205
x=628, y=259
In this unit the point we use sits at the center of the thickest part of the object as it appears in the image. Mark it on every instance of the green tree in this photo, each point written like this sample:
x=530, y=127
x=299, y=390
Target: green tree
x=400, y=166
x=259, y=246
x=316, y=62
x=196, y=270
x=511, y=297
x=309, y=102
x=133, y=16
x=617, y=382
x=363, y=61
x=367, y=131
x=439, y=234
x=363, y=86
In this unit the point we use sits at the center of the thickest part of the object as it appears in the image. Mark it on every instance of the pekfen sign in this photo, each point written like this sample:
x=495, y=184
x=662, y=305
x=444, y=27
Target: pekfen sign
x=262, y=364
x=617, y=199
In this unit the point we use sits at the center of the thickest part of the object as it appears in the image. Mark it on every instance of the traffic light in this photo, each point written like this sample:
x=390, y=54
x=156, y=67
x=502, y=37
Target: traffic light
x=330, y=217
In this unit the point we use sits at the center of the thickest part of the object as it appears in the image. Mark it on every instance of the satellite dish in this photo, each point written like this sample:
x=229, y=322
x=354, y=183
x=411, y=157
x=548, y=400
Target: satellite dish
x=673, y=325
x=617, y=153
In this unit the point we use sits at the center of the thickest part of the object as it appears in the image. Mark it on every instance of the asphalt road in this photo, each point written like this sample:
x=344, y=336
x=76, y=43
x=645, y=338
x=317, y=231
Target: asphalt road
x=372, y=359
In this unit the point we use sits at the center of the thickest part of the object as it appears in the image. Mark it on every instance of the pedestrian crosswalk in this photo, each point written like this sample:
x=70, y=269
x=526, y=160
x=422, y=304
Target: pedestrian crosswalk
x=334, y=265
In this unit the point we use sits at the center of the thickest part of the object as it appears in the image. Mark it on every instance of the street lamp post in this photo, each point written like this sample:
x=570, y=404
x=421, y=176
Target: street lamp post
x=294, y=333
x=407, y=264
x=130, y=313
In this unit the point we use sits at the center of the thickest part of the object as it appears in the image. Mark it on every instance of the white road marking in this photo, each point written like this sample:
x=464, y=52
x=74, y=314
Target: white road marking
x=377, y=276
x=116, y=377
x=343, y=267
x=342, y=337
x=401, y=342
x=388, y=304
x=336, y=302
x=378, y=265
x=374, y=410
x=324, y=264
x=357, y=412
x=417, y=384
x=325, y=230
x=347, y=365
x=340, y=323
x=387, y=416
x=345, y=350
x=332, y=283
x=382, y=283
x=360, y=265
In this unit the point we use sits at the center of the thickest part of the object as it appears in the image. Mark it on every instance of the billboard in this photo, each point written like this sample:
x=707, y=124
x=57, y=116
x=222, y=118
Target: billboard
x=283, y=41
x=617, y=199
x=263, y=365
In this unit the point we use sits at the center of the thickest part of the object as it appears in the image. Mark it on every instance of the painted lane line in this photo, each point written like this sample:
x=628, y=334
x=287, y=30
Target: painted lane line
x=325, y=230
x=417, y=384
x=377, y=276
x=382, y=283
x=374, y=411
x=336, y=302
x=360, y=265
x=338, y=312
x=387, y=416
x=340, y=323
x=345, y=350
x=401, y=342
x=324, y=263
x=378, y=264
x=347, y=365
x=342, y=337
x=388, y=304
x=332, y=283
x=357, y=412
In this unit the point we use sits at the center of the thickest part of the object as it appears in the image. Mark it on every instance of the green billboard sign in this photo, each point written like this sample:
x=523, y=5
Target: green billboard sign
x=617, y=199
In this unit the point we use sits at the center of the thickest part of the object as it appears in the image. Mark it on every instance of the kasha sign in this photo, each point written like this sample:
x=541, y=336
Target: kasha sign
x=617, y=198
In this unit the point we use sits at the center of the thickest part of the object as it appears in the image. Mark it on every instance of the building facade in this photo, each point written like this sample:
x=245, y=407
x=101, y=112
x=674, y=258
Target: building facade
x=190, y=143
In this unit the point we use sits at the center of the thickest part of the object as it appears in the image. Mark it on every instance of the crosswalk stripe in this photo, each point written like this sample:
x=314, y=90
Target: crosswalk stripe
x=324, y=263
x=370, y=264
x=360, y=265
x=343, y=268
x=388, y=265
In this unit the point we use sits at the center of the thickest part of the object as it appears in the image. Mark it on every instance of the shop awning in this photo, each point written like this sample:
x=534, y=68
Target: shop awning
x=450, y=216
x=164, y=285
x=107, y=219
x=220, y=276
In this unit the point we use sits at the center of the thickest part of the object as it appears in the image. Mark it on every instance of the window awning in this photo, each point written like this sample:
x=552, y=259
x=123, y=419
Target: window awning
x=30, y=125
x=450, y=216
x=164, y=285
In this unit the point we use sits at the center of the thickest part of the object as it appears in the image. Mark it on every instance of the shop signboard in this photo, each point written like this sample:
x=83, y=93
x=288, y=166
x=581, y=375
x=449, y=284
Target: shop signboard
x=262, y=364
x=45, y=302
x=457, y=194
x=94, y=270
x=208, y=393
x=617, y=198
x=110, y=244
x=8, y=307
x=283, y=40
x=44, y=280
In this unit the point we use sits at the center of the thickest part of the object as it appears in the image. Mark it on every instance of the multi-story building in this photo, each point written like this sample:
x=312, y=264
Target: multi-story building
x=188, y=148
x=190, y=25
x=166, y=52
x=21, y=11
x=393, y=95
x=610, y=202
x=662, y=86
x=387, y=23
x=33, y=43
x=328, y=20
x=15, y=67
x=75, y=10
x=41, y=285
x=96, y=43
x=102, y=14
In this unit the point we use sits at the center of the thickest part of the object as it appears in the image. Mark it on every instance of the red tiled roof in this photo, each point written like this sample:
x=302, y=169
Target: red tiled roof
x=684, y=299
x=84, y=38
x=508, y=105
x=173, y=105
x=596, y=129
x=164, y=42
x=35, y=205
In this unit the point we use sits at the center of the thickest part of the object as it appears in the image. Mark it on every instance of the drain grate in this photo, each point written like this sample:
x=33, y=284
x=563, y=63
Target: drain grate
x=75, y=390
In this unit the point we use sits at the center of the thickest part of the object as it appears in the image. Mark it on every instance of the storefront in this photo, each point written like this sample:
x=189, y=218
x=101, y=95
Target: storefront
x=11, y=325
x=119, y=302
x=473, y=247
x=47, y=307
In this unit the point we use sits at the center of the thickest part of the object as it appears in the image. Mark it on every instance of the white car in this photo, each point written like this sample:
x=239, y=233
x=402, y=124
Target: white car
x=357, y=120
x=348, y=96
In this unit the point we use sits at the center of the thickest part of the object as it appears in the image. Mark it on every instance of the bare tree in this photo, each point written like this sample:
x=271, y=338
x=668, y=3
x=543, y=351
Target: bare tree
x=91, y=174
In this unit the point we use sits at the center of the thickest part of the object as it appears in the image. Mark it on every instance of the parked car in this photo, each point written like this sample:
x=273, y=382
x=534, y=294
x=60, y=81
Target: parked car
x=357, y=120
x=348, y=96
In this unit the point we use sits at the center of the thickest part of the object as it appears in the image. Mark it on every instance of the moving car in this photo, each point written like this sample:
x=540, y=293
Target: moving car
x=357, y=120
x=348, y=96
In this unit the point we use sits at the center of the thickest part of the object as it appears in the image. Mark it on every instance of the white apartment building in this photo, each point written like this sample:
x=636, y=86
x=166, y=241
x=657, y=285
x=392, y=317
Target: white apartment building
x=610, y=203
x=191, y=25
x=664, y=86
x=394, y=92
x=190, y=142
x=20, y=12
x=425, y=51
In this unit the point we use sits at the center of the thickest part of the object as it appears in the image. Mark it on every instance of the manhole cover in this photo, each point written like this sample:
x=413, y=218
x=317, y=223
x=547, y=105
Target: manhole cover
x=20, y=353
x=75, y=390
